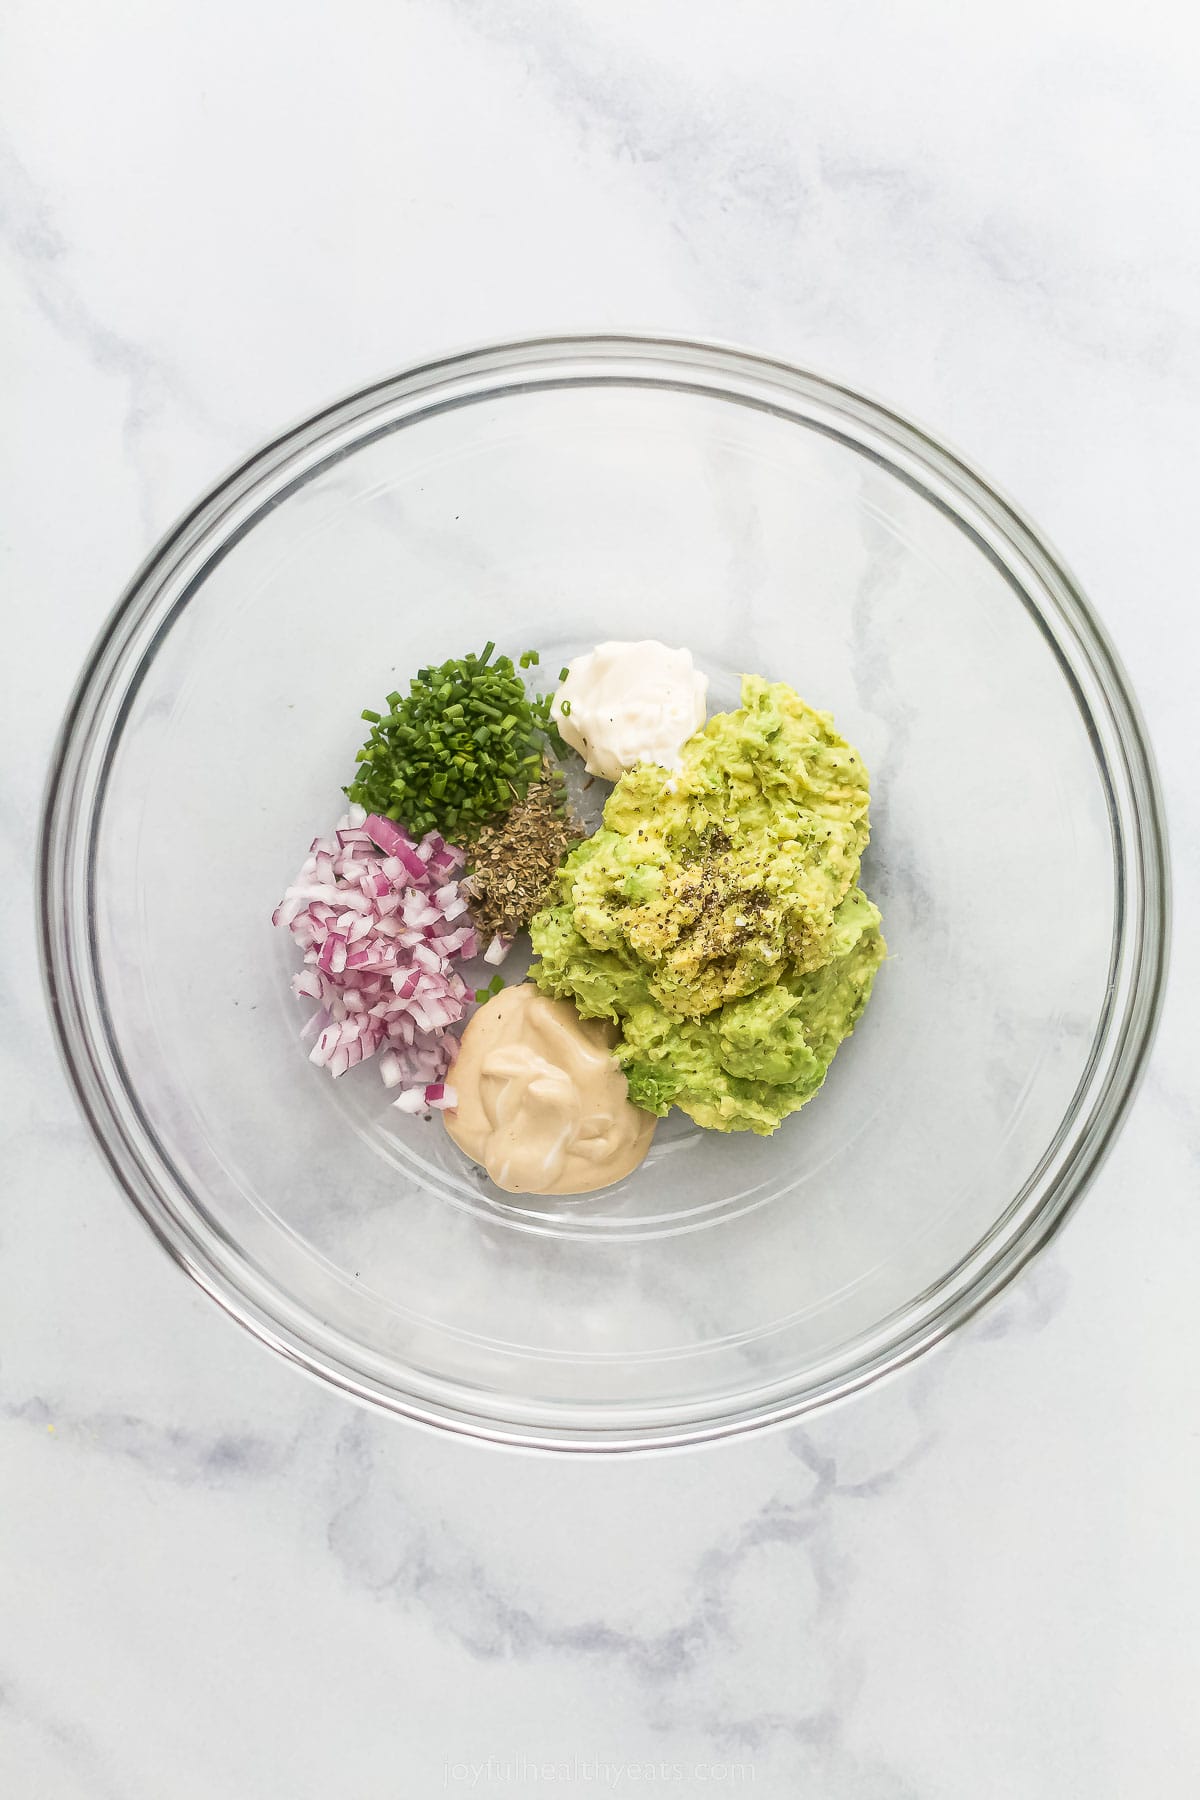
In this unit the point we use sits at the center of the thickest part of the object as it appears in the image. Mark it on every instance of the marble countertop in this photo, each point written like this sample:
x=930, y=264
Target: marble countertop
x=217, y=1579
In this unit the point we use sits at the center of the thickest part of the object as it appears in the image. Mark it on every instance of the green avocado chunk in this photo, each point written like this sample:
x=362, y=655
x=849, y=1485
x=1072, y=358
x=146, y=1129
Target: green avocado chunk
x=716, y=916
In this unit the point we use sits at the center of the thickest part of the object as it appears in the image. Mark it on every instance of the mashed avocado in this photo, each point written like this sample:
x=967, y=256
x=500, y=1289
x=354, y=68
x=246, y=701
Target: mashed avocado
x=716, y=915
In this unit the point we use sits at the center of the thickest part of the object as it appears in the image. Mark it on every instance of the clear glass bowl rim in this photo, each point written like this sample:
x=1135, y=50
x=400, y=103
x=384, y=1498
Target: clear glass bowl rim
x=82, y=757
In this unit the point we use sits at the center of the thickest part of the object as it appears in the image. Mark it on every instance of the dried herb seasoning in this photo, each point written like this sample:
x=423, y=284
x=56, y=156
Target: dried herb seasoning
x=514, y=860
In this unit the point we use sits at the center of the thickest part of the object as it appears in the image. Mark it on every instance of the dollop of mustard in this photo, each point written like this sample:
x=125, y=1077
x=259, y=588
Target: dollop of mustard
x=542, y=1103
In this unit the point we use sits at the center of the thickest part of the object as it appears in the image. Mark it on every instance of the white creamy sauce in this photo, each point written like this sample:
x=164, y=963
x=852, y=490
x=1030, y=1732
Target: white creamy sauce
x=623, y=704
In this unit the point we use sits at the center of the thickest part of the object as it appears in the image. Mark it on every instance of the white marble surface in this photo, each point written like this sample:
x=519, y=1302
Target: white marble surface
x=215, y=1578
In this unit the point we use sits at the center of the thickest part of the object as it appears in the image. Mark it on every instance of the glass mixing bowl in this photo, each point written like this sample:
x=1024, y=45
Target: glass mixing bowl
x=550, y=494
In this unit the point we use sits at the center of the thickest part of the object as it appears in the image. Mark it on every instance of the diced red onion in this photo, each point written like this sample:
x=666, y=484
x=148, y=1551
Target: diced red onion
x=417, y=911
x=498, y=949
x=441, y=854
x=396, y=845
x=386, y=833
x=371, y=912
x=413, y=862
x=462, y=942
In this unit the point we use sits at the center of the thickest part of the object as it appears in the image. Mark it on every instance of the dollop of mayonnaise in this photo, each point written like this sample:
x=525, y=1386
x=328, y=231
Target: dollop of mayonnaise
x=623, y=704
x=542, y=1103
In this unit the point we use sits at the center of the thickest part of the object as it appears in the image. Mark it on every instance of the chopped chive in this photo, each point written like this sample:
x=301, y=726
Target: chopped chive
x=464, y=744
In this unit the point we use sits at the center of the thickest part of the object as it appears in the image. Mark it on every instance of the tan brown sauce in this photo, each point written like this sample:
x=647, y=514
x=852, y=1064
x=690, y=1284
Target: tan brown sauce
x=542, y=1104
